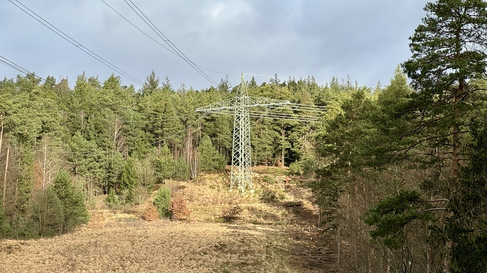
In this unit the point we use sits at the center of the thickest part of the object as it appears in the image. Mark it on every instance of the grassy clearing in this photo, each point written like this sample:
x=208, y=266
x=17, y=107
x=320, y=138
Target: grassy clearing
x=272, y=230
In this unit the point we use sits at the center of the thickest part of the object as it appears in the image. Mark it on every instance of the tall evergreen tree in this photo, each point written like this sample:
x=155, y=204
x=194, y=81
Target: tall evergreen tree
x=209, y=157
x=449, y=49
x=129, y=180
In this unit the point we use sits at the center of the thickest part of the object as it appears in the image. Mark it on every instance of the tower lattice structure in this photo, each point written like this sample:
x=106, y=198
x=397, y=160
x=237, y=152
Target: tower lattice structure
x=239, y=106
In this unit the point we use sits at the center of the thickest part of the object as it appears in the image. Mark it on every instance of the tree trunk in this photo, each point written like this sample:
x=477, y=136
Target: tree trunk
x=44, y=164
x=456, y=131
x=5, y=179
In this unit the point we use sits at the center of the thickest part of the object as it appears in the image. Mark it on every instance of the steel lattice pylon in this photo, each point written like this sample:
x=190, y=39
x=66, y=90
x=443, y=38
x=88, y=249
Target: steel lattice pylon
x=239, y=106
x=241, y=169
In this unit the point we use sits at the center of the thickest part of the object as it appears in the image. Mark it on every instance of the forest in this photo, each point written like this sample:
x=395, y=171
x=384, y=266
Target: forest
x=400, y=171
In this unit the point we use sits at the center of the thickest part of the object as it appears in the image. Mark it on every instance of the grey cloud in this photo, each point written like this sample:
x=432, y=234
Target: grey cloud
x=363, y=39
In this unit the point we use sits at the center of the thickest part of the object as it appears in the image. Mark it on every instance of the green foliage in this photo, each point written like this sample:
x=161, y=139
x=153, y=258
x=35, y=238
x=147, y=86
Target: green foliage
x=468, y=205
x=329, y=190
x=268, y=179
x=112, y=199
x=445, y=40
x=162, y=201
x=129, y=179
x=181, y=170
x=4, y=225
x=164, y=165
x=210, y=159
x=73, y=201
x=86, y=158
x=392, y=214
x=468, y=255
x=47, y=213
x=295, y=168
x=26, y=179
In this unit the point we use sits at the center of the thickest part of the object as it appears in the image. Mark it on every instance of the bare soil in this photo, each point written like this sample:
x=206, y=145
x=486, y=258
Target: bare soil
x=273, y=229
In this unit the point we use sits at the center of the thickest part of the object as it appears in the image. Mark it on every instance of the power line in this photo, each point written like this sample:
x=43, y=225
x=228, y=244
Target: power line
x=176, y=50
x=72, y=41
x=168, y=49
x=17, y=67
x=128, y=21
x=161, y=35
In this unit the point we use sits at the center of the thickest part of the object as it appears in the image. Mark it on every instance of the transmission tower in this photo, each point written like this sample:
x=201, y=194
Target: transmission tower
x=241, y=169
x=240, y=107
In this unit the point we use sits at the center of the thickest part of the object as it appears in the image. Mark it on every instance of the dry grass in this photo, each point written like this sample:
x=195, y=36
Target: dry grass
x=225, y=232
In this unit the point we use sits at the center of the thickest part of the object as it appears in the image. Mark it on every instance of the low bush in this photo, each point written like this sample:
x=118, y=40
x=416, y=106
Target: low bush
x=269, y=180
x=179, y=209
x=295, y=168
x=112, y=200
x=231, y=213
x=268, y=196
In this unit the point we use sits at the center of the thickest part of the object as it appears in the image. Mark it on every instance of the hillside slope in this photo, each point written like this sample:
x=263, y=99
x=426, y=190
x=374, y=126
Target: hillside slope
x=273, y=229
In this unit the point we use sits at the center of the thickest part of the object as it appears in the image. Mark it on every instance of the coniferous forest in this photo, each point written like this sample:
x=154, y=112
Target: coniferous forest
x=400, y=170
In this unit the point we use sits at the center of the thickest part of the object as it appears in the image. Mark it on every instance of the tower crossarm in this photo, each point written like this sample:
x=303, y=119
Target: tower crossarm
x=231, y=104
x=221, y=106
x=265, y=102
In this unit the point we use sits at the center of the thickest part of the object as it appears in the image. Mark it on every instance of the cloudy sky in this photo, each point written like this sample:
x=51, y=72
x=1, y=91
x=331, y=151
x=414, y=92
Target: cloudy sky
x=363, y=40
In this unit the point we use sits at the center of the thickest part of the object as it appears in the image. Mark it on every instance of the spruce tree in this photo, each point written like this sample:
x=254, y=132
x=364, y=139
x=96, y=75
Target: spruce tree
x=73, y=201
x=129, y=181
x=210, y=159
x=164, y=165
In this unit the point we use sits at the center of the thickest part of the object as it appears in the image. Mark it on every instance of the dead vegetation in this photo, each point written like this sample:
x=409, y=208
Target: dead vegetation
x=214, y=230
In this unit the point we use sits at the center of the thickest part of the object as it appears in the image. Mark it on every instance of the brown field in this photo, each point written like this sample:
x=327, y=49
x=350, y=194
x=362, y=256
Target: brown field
x=225, y=232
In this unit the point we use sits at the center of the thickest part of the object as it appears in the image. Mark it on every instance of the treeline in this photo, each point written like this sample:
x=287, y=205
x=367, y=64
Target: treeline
x=115, y=139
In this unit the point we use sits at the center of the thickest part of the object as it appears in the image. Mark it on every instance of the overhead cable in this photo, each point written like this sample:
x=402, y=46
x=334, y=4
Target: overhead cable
x=72, y=41
x=161, y=35
x=128, y=21
x=17, y=67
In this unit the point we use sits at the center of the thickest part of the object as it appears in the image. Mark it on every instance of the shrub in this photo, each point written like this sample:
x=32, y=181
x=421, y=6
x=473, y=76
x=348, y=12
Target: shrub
x=47, y=213
x=268, y=196
x=139, y=195
x=162, y=201
x=112, y=199
x=149, y=213
x=230, y=214
x=295, y=168
x=179, y=209
x=269, y=180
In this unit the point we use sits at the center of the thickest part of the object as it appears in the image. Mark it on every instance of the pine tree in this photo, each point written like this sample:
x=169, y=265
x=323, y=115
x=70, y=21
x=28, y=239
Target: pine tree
x=449, y=49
